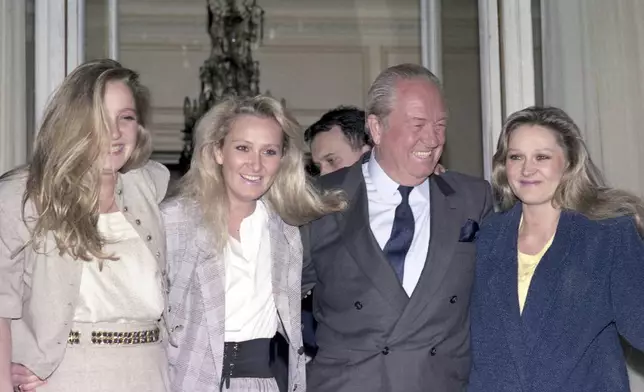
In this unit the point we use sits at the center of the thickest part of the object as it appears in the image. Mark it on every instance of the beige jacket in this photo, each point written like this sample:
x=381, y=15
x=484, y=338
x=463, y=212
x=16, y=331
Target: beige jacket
x=39, y=289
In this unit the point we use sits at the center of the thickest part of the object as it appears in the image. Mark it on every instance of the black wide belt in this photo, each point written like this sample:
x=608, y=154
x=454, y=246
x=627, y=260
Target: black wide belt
x=247, y=359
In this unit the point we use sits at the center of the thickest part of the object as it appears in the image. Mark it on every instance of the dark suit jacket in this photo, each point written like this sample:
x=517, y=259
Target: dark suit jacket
x=371, y=335
x=587, y=287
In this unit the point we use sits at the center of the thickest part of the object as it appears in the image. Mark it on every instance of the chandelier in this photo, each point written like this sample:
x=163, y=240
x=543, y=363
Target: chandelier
x=230, y=69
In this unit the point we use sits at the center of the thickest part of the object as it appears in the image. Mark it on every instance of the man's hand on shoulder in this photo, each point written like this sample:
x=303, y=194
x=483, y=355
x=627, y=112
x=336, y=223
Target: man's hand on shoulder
x=440, y=169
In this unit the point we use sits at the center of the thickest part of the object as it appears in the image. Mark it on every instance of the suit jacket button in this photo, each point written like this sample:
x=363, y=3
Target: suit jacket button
x=358, y=305
x=300, y=350
x=385, y=351
x=432, y=352
x=453, y=299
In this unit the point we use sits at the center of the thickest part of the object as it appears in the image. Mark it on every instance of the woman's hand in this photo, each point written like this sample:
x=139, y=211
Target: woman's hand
x=23, y=379
x=439, y=169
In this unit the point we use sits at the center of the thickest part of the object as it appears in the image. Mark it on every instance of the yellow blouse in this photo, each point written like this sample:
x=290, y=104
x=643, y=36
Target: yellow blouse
x=527, y=266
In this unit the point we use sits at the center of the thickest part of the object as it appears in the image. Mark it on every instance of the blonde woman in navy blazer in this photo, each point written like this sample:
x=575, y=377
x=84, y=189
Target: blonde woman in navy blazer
x=554, y=325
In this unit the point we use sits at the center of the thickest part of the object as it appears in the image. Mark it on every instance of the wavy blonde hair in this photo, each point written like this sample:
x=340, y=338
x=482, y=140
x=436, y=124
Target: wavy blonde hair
x=64, y=174
x=292, y=195
x=582, y=187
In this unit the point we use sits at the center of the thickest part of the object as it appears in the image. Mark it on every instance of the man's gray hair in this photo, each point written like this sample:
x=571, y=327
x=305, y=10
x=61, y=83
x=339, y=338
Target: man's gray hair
x=380, y=98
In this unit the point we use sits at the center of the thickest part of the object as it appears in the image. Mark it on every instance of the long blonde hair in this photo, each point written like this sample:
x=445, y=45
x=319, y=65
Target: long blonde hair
x=292, y=195
x=582, y=187
x=64, y=174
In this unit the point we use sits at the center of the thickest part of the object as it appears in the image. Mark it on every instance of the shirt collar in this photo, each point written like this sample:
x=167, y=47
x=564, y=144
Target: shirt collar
x=252, y=226
x=258, y=216
x=387, y=187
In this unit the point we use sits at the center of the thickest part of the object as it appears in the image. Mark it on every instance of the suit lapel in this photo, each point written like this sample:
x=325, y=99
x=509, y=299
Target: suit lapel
x=362, y=245
x=211, y=273
x=503, y=283
x=546, y=280
x=445, y=224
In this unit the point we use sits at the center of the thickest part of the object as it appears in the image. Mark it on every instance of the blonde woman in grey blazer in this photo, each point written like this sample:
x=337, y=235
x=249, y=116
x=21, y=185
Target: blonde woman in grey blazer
x=234, y=250
x=82, y=247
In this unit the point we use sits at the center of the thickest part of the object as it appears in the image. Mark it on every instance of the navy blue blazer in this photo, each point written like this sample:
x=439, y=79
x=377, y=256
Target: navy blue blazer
x=587, y=289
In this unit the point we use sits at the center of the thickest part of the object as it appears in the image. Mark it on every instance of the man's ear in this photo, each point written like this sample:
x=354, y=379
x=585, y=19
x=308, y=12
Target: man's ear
x=375, y=128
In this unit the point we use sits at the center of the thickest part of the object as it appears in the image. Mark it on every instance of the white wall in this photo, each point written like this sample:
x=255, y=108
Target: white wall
x=315, y=54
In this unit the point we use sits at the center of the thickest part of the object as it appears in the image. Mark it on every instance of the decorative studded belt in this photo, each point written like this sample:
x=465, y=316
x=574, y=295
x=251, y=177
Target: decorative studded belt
x=120, y=338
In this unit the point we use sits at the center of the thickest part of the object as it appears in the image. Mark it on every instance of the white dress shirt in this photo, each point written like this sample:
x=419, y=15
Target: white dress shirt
x=383, y=198
x=250, y=306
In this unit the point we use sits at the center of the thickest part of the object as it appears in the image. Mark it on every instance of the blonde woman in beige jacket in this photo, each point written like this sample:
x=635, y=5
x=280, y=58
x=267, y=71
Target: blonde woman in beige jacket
x=82, y=246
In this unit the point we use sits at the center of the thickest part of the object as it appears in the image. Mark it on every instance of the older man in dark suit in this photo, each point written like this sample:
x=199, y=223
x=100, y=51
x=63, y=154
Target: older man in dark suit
x=392, y=273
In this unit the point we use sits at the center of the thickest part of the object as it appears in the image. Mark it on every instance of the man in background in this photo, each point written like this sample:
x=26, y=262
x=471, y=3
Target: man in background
x=338, y=139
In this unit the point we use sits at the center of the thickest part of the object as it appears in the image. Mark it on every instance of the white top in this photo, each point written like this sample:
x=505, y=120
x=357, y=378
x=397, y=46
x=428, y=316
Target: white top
x=384, y=198
x=126, y=290
x=250, y=306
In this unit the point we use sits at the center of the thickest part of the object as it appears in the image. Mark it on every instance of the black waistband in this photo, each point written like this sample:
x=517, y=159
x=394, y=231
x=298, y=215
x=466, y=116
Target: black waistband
x=248, y=359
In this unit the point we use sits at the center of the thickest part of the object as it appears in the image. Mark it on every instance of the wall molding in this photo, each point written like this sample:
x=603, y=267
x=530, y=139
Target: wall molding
x=191, y=30
x=387, y=50
x=362, y=50
x=301, y=8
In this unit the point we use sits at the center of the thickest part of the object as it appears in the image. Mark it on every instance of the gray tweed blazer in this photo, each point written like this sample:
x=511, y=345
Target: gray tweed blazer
x=197, y=298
